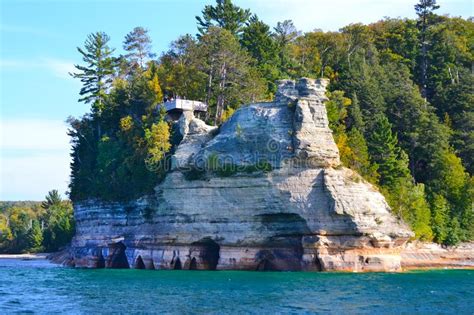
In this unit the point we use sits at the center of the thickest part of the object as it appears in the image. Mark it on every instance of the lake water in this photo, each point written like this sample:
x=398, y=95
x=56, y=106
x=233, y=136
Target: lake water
x=40, y=287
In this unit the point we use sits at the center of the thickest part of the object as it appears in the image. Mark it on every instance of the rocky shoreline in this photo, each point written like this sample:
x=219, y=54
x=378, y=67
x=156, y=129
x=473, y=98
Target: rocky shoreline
x=265, y=191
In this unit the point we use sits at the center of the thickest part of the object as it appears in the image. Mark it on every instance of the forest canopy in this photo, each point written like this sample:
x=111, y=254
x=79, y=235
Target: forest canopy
x=27, y=226
x=401, y=104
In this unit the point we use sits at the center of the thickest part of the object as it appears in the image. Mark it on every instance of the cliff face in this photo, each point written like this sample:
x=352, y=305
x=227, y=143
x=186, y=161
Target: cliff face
x=264, y=192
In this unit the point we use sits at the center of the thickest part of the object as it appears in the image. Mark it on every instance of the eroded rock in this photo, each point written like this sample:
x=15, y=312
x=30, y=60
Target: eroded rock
x=301, y=211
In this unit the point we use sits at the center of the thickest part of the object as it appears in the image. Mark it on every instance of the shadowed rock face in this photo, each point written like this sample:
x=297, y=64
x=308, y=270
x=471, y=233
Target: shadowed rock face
x=264, y=192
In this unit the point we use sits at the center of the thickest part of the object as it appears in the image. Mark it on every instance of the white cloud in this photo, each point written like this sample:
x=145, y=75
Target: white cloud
x=34, y=158
x=58, y=67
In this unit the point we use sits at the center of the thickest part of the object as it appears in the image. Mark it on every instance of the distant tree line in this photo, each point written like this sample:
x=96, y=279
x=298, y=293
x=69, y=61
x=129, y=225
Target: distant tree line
x=36, y=226
x=401, y=104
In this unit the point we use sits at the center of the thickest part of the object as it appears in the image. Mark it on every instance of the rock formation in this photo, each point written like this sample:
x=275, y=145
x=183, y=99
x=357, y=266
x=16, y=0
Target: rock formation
x=265, y=191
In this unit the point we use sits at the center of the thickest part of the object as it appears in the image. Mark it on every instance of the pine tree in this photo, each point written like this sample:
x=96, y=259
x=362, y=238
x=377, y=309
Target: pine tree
x=96, y=75
x=424, y=9
x=258, y=41
x=52, y=198
x=138, y=45
x=454, y=233
x=225, y=15
x=408, y=201
x=383, y=146
x=35, y=236
x=285, y=34
x=355, y=119
x=440, y=218
x=360, y=159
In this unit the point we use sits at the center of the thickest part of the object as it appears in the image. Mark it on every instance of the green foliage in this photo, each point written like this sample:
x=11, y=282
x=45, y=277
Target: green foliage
x=59, y=227
x=158, y=144
x=96, y=75
x=407, y=127
x=408, y=202
x=33, y=227
x=454, y=231
x=225, y=15
x=440, y=218
x=231, y=81
x=225, y=169
x=53, y=198
x=391, y=161
x=257, y=39
x=35, y=236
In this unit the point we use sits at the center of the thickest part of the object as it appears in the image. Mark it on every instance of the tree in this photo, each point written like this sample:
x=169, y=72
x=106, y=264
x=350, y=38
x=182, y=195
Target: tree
x=359, y=160
x=454, y=231
x=225, y=15
x=158, y=142
x=457, y=101
x=384, y=151
x=230, y=79
x=59, y=228
x=5, y=232
x=138, y=45
x=179, y=70
x=20, y=221
x=355, y=118
x=35, y=236
x=285, y=33
x=424, y=9
x=408, y=201
x=259, y=43
x=52, y=198
x=96, y=75
x=440, y=218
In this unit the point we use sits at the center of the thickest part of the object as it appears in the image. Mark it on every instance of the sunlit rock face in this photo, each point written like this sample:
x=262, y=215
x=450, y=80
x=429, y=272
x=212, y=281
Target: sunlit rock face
x=265, y=191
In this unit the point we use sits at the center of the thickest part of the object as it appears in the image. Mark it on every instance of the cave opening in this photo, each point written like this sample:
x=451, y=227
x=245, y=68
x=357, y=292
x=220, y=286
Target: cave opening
x=193, y=264
x=264, y=265
x=100, y=261
x=177, y=264
x=317, y=264
x=209, y=253
x=117, y=257
x=139, y=264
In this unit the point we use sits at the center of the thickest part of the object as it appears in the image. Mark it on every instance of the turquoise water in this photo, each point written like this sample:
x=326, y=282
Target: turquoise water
x=37, y=286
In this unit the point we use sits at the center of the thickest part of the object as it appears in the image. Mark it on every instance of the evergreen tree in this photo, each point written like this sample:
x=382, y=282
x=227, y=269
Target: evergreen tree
x=408, y=201
x=440, y=218
x=96, y=76
x=35, y=236
x=138, y=45
x=258, y=41
x=360, y=159
x=285, y=34
x=457, y=101
x=424, y=9
x=383, y=146
x=454, y=231
x=355, y=119
x=225, y=15
x=52, y=198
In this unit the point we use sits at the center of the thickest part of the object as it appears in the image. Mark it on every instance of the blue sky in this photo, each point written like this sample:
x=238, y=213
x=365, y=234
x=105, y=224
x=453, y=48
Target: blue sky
x=38, y=41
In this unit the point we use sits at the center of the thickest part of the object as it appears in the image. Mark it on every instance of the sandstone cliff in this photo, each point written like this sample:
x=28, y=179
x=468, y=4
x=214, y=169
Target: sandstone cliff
x=265, y=191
